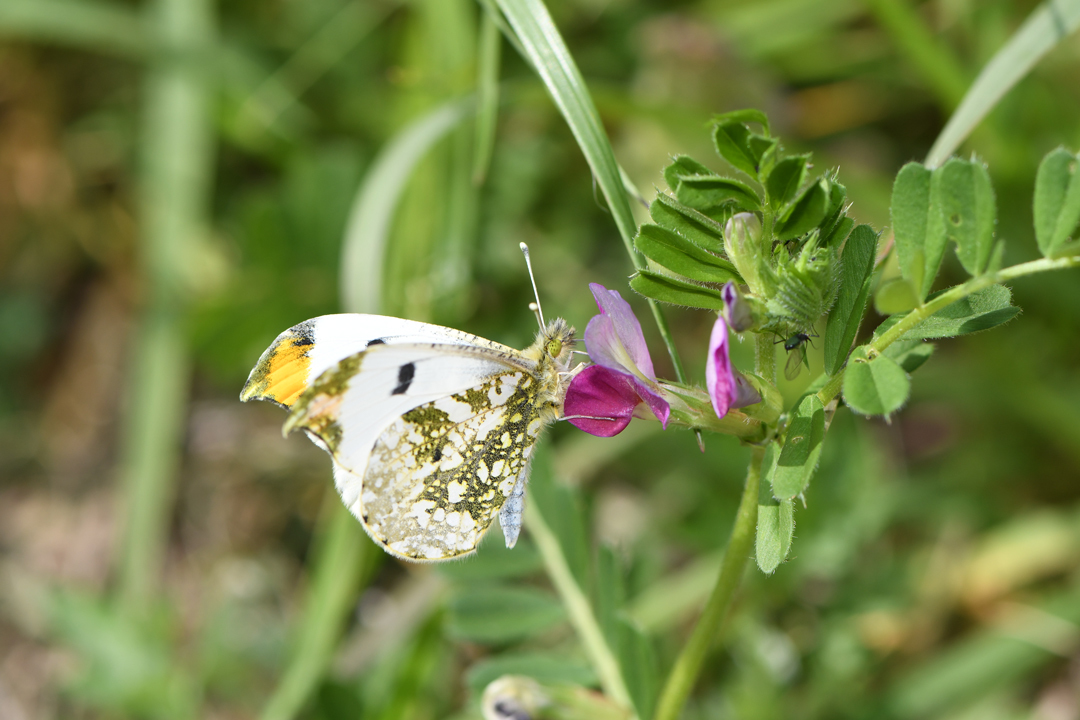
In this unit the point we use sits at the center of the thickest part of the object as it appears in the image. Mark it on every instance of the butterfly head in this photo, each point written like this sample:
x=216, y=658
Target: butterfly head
x=556, y=340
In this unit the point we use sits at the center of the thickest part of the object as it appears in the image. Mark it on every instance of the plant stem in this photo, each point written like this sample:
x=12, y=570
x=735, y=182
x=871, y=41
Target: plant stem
x=916, y=316
x=342, y=561
x=765, y=357
x=577, y=605
x=688, y=665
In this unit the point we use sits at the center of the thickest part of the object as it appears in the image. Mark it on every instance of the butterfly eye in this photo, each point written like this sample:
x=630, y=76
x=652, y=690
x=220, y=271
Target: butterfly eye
x=554, y=347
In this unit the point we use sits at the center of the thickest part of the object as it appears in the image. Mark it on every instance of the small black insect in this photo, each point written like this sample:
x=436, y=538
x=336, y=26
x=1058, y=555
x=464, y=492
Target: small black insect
x=795, y=341
x=795, y=360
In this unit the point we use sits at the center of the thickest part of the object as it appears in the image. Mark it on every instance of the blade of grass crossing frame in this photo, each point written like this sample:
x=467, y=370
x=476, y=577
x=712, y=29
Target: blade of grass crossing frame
x=373, y=209
x=563, y=552
x=1049, y=24
x=487, y=94
x=550, y=58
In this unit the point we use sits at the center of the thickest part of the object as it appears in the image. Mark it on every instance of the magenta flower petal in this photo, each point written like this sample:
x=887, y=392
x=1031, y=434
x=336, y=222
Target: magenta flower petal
x=736, y=309
x=614, y=338
x=745, y=394
x=719, y=376
x=655, y=402
x=605, y=398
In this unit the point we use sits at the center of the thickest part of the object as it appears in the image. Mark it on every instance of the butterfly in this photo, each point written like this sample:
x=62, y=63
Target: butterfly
x=431, y=429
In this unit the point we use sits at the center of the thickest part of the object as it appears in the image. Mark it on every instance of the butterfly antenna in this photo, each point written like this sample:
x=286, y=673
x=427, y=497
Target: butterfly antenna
x=536, y=293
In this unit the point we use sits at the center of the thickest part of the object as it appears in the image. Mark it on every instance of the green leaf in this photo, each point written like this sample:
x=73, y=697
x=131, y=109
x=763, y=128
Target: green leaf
x=917, y=227
x=910, y=354
x=544, y=667
x=1057, y=200
x=775, y=528
x=832, y=227
x=748, y=115
x=895, y=296
x=875, y=387
x=498, y=613
x=802, y=447
x=805, y=213
x=679, y=255
x=675, y=292
x=982, y=310
x=706, y=192
x=698, y=228
x=838, y=232
x=856, y=267
x=785, y=179
x=732, y=141
x=962, y=191
x=683, y=165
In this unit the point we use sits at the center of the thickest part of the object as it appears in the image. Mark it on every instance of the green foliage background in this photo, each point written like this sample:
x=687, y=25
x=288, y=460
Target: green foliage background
x=936, y=568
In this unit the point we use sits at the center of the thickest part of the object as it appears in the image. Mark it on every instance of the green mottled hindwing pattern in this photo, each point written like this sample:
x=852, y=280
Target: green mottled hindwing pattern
x=439, y=474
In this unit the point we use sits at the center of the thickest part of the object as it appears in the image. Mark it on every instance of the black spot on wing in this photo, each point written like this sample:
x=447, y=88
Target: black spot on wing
x=405, y=376
x=305, y=333
x=376, y=341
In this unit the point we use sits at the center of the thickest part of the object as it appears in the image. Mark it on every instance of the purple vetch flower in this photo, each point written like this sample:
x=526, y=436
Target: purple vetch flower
x=603, y=397
x=728, y=389
x=737, y=311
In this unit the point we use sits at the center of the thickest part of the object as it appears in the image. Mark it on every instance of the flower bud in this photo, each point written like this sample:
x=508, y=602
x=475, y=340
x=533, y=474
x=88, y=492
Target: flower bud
x=737, y=311
x=742, y=242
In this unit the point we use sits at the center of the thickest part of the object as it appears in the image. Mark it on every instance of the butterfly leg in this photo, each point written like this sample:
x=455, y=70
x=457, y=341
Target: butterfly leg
x=510, y=513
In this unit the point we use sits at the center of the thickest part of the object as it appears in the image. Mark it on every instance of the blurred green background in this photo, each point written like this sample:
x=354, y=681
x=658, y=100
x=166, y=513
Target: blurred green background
x=176, y=183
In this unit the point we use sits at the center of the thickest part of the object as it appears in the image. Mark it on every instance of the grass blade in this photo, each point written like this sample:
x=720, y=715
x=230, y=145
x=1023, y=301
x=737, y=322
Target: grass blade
x=487, y=94
x=547, y=52
x=574, y=597
x=340, y=561
x=372, y=212
x=1048, y=25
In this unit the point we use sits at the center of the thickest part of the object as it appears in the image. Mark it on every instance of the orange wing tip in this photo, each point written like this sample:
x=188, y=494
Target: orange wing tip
x=281, y=375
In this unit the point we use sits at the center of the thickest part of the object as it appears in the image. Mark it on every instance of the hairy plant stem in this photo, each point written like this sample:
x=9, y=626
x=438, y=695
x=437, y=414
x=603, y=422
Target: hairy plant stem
x=688, y=665
x=765, y=357
x=916, y=316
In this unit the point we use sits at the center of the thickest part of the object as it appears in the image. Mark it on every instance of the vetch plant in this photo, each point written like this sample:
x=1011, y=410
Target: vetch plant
x=775, y=256
x=773, y=252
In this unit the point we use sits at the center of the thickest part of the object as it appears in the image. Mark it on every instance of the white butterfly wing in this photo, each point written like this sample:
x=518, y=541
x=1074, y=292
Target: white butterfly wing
x=303, y=352
x=429, y=441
